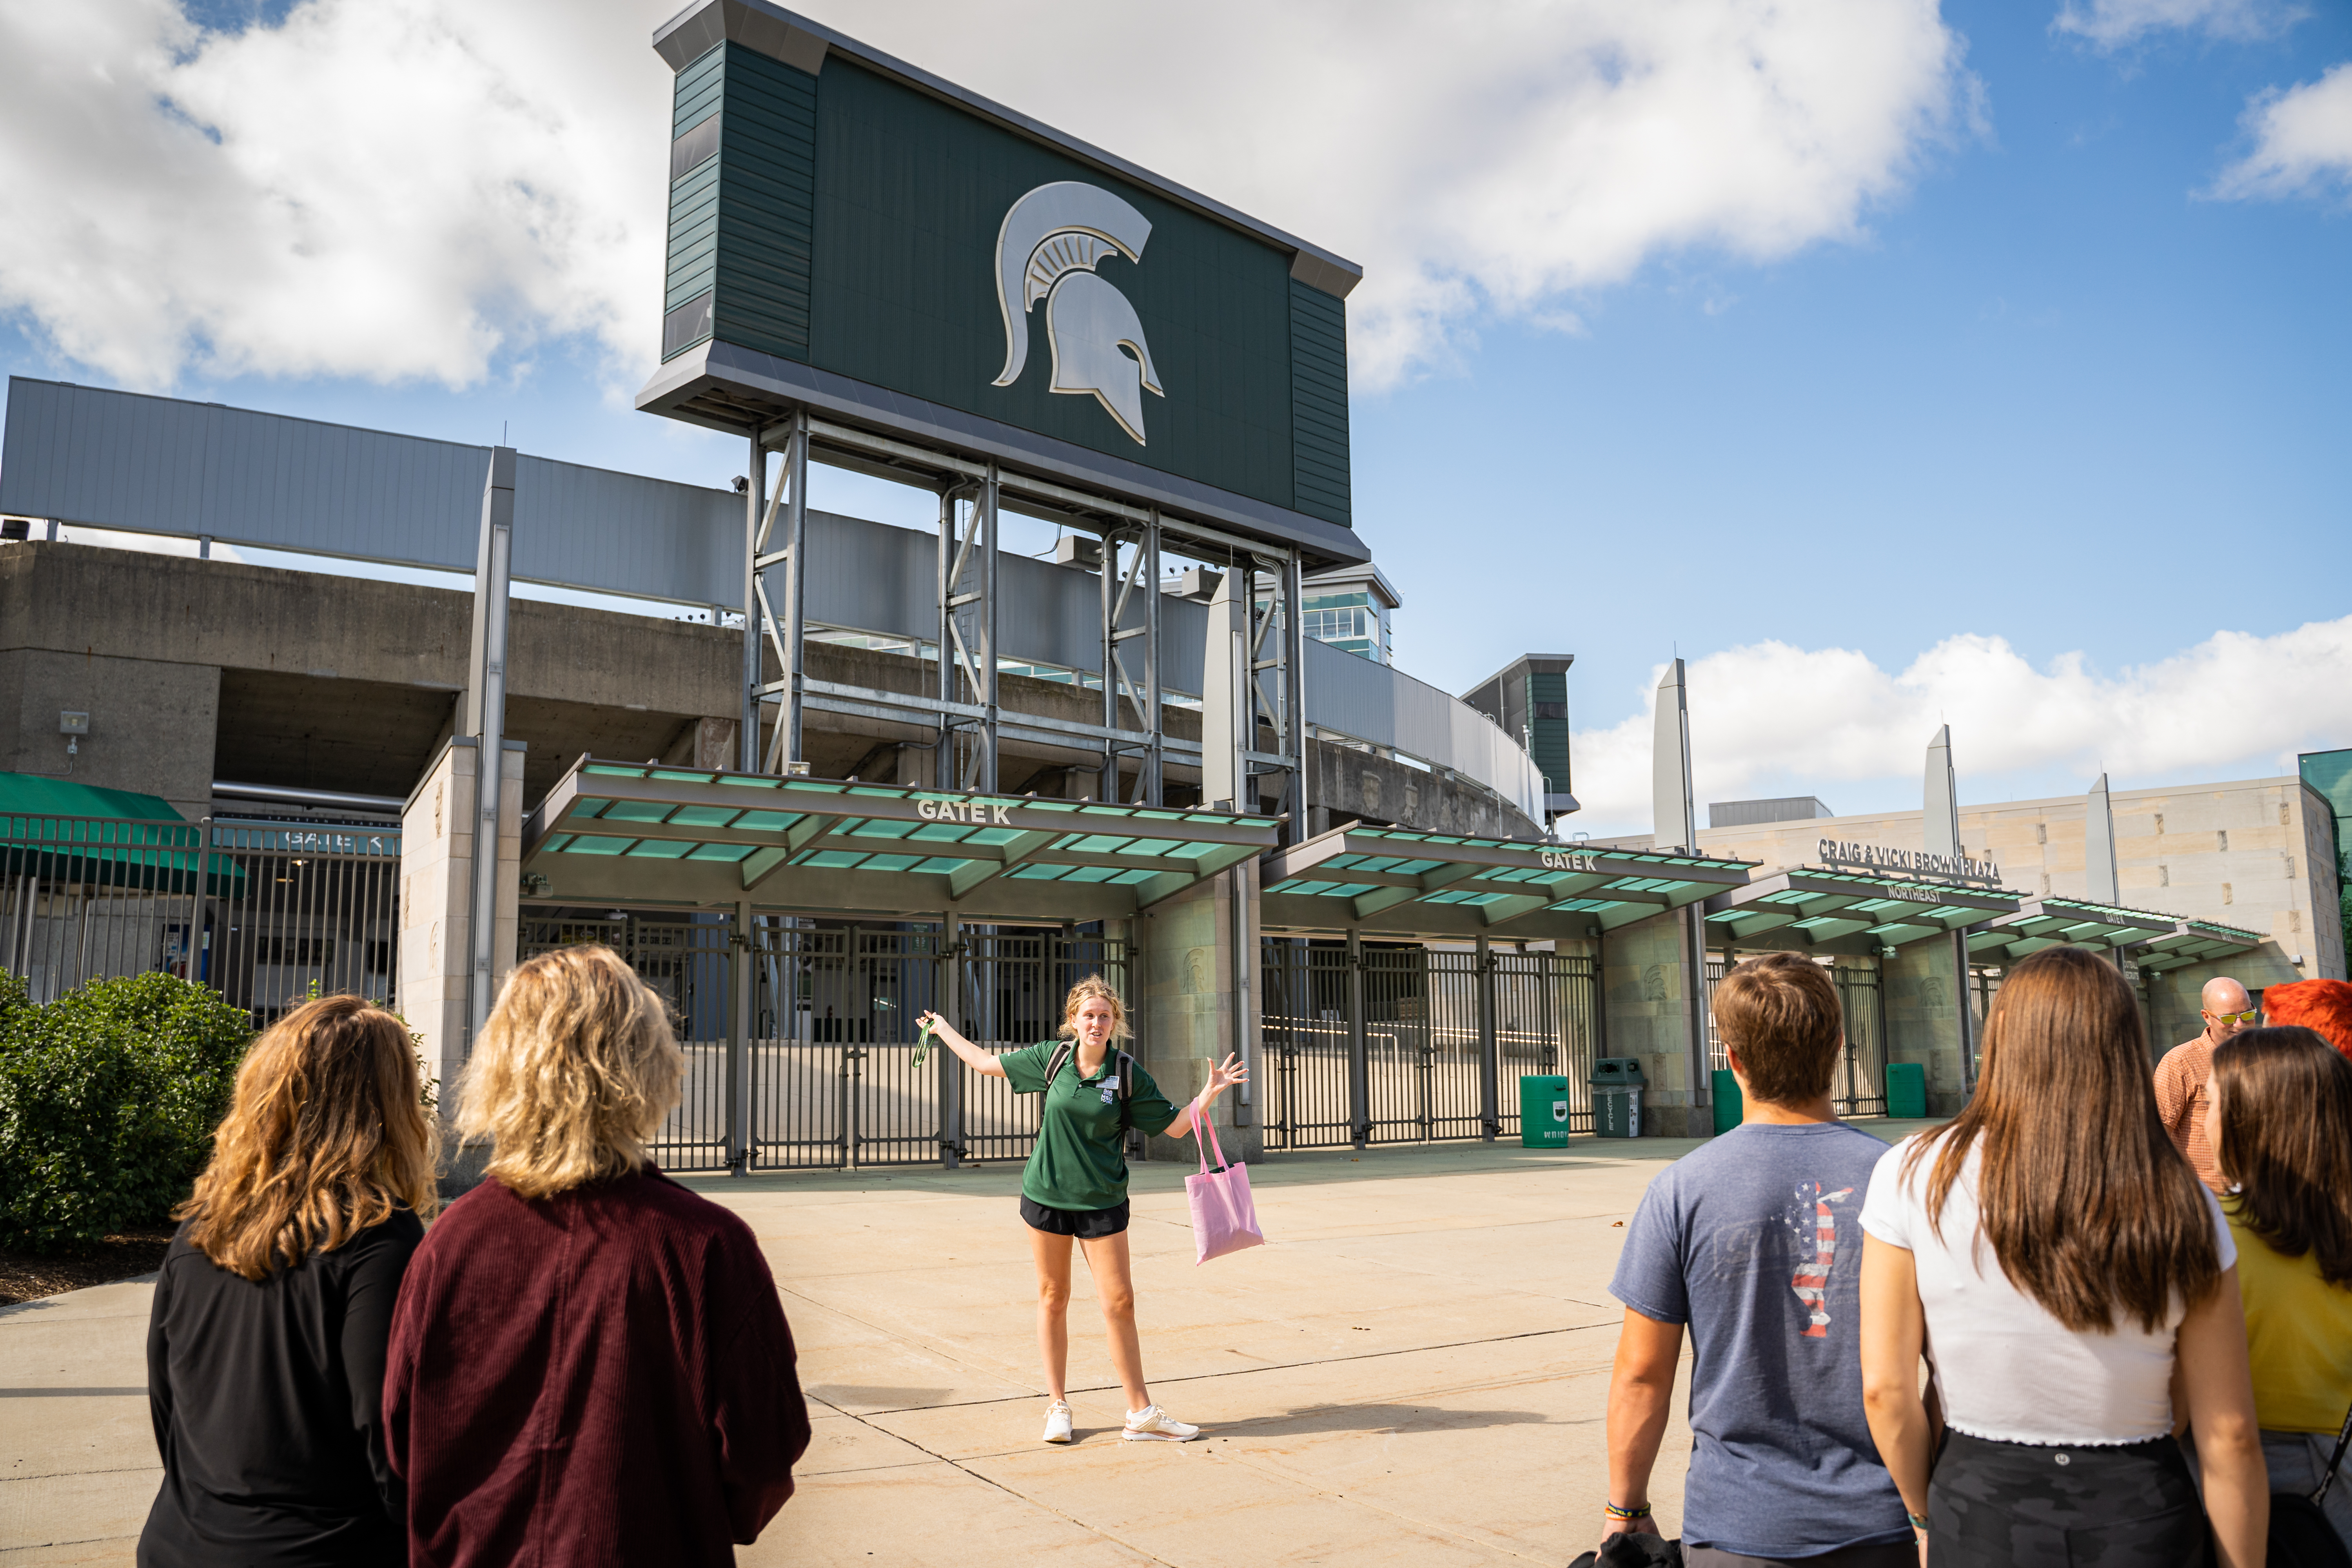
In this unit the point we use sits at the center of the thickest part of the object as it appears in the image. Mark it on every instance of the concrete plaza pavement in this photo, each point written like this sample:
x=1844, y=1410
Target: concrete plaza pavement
x=1414, y=1369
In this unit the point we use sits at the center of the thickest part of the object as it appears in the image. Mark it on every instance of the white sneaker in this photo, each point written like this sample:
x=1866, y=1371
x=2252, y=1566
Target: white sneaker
x=1057, y=1422
x=1153, y=1425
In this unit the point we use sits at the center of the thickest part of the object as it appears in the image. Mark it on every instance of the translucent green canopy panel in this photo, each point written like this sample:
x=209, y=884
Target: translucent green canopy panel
x=1394, y=880
x=1819, y=907
x=614, y=832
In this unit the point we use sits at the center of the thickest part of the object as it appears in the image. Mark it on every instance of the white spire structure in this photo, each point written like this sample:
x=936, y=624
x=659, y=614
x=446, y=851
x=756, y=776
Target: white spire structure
x=1939, y=834
x=1940, y=824
x=1674, y=825
x=1672, y=822
x=2101, y=884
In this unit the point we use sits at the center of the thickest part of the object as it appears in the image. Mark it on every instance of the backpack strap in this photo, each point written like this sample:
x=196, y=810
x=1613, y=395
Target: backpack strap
x=1067, y=1050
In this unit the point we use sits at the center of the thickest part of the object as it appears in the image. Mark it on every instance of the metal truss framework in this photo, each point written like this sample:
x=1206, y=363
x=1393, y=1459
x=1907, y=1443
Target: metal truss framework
x=963, y=712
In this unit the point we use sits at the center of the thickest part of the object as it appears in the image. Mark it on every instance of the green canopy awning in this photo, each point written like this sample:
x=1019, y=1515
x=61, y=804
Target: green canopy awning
x=2195, y=941
x=616, y=833
x=1396, y=880
x=62, y=830
x=1821, y=906
x=2041, y=922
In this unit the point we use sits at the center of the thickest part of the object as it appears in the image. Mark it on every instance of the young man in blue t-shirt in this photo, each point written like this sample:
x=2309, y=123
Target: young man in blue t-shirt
x=1753, y=1240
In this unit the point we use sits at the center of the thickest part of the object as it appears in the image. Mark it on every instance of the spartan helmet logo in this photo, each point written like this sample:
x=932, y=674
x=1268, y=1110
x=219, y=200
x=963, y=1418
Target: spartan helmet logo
x=1046, y=250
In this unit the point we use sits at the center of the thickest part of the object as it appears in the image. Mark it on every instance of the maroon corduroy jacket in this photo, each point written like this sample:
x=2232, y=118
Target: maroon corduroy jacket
x=601, y=1377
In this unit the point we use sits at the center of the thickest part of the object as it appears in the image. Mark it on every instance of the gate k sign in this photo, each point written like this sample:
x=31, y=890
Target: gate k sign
x=1046, y=249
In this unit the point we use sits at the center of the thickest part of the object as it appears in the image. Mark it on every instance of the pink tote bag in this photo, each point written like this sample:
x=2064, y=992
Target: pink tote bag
x=1223, y=1218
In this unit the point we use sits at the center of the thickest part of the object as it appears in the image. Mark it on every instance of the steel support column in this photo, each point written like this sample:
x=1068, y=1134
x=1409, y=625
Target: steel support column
x=1490, y=1120
x=1360, y=1075
x=1122, y=580
x=741, y=959
x=1245, y=1012
x=951, y=1068
x=485, y=705
x=968, y=635
x=1962, y=1016
x=748, y=723
x=1293, y=693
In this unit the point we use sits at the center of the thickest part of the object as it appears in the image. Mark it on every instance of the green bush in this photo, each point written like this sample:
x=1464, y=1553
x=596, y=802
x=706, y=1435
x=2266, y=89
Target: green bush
x=109, y=1096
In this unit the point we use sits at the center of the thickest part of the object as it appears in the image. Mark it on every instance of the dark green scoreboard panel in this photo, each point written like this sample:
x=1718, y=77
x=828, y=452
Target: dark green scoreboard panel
x=850, y=221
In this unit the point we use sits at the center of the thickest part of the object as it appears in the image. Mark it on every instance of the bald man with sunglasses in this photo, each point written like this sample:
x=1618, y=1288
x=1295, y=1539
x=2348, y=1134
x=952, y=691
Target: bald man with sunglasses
x=2187, y=1067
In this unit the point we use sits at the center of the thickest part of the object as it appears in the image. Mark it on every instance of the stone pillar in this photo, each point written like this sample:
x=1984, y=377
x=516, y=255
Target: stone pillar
x=1923, y=1018
x=1646, y=1003
x=437, y=859
x=1184, y=996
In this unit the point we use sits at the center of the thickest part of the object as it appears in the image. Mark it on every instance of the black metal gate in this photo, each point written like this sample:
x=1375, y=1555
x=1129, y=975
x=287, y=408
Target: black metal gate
x=1404, y=1044
x=829, y=1068
x=1858, y=1085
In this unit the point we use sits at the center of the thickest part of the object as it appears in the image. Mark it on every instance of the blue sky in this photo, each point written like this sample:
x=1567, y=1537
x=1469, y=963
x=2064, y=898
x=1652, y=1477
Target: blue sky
x=2042, y=383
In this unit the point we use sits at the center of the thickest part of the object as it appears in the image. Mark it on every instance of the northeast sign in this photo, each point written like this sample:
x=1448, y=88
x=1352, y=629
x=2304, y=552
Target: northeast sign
x=851, y=234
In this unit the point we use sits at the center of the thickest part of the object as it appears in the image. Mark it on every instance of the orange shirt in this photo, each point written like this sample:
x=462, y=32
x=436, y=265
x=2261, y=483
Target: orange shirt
x=2181, y=1098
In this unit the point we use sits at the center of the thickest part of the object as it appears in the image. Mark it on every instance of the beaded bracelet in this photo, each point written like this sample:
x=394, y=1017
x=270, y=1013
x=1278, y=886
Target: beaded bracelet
x=1917, y=1523
x=1639, y=1510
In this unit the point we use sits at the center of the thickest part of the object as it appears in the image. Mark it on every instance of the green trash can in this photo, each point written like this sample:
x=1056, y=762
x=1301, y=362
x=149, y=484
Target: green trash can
x=1617, y=1084
x=1731, y=1105
x=1543, y=1112
x=1906, y=1090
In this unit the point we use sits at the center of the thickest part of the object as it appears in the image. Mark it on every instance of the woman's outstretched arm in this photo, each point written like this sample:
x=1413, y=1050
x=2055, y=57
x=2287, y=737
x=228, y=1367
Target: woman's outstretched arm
x=1222, y=1077
x=980, y=1061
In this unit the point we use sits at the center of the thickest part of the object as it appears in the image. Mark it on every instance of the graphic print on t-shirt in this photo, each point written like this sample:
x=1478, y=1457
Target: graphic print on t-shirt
x=1812, y=1280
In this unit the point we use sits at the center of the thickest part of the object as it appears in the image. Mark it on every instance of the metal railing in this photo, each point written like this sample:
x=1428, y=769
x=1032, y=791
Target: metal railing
x=1858, y=1084
x=1393, y=1047
x=265, y=913
x=830, y=1069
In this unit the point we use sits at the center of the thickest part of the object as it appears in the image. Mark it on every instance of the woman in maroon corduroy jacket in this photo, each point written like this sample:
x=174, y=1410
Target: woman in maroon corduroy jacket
x=589, y=1364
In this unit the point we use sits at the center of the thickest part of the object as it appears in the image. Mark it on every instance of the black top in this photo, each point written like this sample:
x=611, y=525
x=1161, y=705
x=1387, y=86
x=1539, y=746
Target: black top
x=268, y=1399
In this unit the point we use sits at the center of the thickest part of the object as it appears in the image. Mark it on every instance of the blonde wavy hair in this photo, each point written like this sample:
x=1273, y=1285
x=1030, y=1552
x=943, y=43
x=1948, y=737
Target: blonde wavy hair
x=1093, y=987
x=326, y=1136
x=572, y=1075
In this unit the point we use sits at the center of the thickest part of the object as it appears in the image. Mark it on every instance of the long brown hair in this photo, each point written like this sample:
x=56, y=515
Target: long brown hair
x=325, y=1137
x=2287, y=1140
x=2089, y=1208
x=573, y=1073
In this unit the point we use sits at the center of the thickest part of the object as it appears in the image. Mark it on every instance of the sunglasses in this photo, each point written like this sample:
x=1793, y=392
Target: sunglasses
x=2247, y=1017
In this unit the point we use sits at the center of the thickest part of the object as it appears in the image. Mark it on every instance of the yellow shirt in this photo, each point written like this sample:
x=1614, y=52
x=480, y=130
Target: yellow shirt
x=2298, y=1331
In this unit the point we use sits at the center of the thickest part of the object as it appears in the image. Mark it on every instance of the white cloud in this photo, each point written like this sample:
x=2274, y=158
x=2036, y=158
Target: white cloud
x=413, y=188
x=1773, y=712
x=2303, y=140
x=389, y=189
x=2112, y=24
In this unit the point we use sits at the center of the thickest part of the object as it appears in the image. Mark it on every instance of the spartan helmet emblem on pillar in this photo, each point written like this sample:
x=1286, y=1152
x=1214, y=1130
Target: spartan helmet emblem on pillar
x=1046, y=249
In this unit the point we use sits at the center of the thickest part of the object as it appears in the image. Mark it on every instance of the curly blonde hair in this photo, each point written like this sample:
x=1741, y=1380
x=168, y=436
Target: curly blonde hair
x=573, y=1074
x=1093, y=987
x=326, y=1136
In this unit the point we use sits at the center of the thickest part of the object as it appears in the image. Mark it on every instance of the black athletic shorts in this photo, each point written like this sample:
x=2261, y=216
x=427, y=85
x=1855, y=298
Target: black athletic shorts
x=1087, y=1224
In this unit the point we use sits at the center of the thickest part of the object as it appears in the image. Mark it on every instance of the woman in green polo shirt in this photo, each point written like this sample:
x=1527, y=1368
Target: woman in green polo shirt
x=1075, y=1184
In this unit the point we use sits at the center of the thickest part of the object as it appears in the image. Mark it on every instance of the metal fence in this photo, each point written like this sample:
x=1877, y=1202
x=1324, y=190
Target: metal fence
x=1411, y=1044
x=830, y=1069
x=1858, y=1084
x=266, y=914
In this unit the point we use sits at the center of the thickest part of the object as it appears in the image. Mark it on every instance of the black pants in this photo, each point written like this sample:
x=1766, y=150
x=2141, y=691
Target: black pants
x=2020, y=1505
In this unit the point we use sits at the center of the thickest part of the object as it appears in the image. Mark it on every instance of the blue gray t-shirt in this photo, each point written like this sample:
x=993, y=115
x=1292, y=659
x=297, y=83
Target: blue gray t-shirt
x=1755, y=1241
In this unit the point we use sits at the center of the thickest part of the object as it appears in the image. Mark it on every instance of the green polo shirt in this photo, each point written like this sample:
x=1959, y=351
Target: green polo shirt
x=1078, y=1163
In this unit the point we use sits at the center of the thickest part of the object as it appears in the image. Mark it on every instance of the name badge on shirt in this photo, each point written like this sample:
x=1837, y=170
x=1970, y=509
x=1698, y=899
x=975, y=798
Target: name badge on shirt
x=1110, y=1089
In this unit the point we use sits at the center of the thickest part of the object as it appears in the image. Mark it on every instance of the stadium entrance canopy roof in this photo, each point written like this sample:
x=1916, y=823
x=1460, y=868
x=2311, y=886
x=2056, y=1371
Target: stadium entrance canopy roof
x=1394, y=880
x=618, y=832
